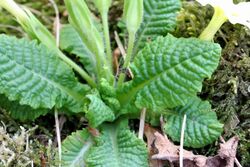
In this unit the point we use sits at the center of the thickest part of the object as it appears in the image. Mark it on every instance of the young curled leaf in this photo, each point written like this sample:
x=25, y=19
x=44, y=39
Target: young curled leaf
x=97, y=111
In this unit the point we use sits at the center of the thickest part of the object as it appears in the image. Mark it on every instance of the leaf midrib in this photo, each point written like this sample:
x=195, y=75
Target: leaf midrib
x=113, y=136
x=85, y=148
x=124, y=99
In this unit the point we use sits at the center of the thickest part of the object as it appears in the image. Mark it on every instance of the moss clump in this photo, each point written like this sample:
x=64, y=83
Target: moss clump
x=229, y=87
x=20, y=150
x=192, y=19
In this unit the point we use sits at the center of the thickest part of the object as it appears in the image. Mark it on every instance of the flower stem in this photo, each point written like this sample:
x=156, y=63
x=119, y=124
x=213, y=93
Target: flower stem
x=216, y=22
x=130, y=49
x=24, y=19
x=14, y=9
x=78, y=69
x=107, y=39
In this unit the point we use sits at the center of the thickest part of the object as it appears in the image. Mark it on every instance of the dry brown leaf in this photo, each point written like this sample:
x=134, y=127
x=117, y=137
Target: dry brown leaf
x=94, y=132
x=164, y=149
x=149, y=133
x=228, y=150
x=168, y=151
x=116, y=55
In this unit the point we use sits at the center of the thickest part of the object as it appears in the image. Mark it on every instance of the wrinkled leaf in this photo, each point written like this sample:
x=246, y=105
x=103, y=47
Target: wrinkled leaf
x=202, y=126
x=75, y=147
x=98, y=111
x=21, y=112
x=71, y=42
x=35, y=76
x=168, y=71
x=158, y=20
x=117, y=147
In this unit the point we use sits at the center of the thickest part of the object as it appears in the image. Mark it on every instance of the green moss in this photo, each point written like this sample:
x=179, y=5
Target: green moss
x=192, y=19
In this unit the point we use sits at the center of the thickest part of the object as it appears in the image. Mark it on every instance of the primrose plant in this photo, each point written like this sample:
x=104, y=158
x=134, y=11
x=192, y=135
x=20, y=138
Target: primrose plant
x=37, y=76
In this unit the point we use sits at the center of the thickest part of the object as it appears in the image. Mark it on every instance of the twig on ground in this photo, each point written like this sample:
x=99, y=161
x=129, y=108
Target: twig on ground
x=58, y=135
x=57, y=33
x=121, y=48
x=57, y=22
x=182, y=139
x=142, y=123
x=11, y=27
x=120, y=45
x=27, y=137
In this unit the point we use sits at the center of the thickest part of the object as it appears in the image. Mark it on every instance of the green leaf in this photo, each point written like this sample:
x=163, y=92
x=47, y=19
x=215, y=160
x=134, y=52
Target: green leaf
x=169, y=70
x=202, y=126
x=98, y=111
x=21, y=112
x=108, y=94
x=128, y=107
x=158, y=20
x=117, y=147
x=71, y=42
x=75, y=147
x=35, y=76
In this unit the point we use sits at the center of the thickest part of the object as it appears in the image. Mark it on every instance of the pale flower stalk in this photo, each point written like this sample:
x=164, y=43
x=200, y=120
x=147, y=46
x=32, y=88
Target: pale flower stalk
x=29, y=22
x=36, y=30
x=225, y=10
x=14, y=9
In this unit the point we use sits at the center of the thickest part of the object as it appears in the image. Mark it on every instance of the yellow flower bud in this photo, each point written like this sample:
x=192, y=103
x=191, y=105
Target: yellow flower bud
x=14, y=9
x=80, y=18
x=133, y=14
x=103, y=5
x=31, y=25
